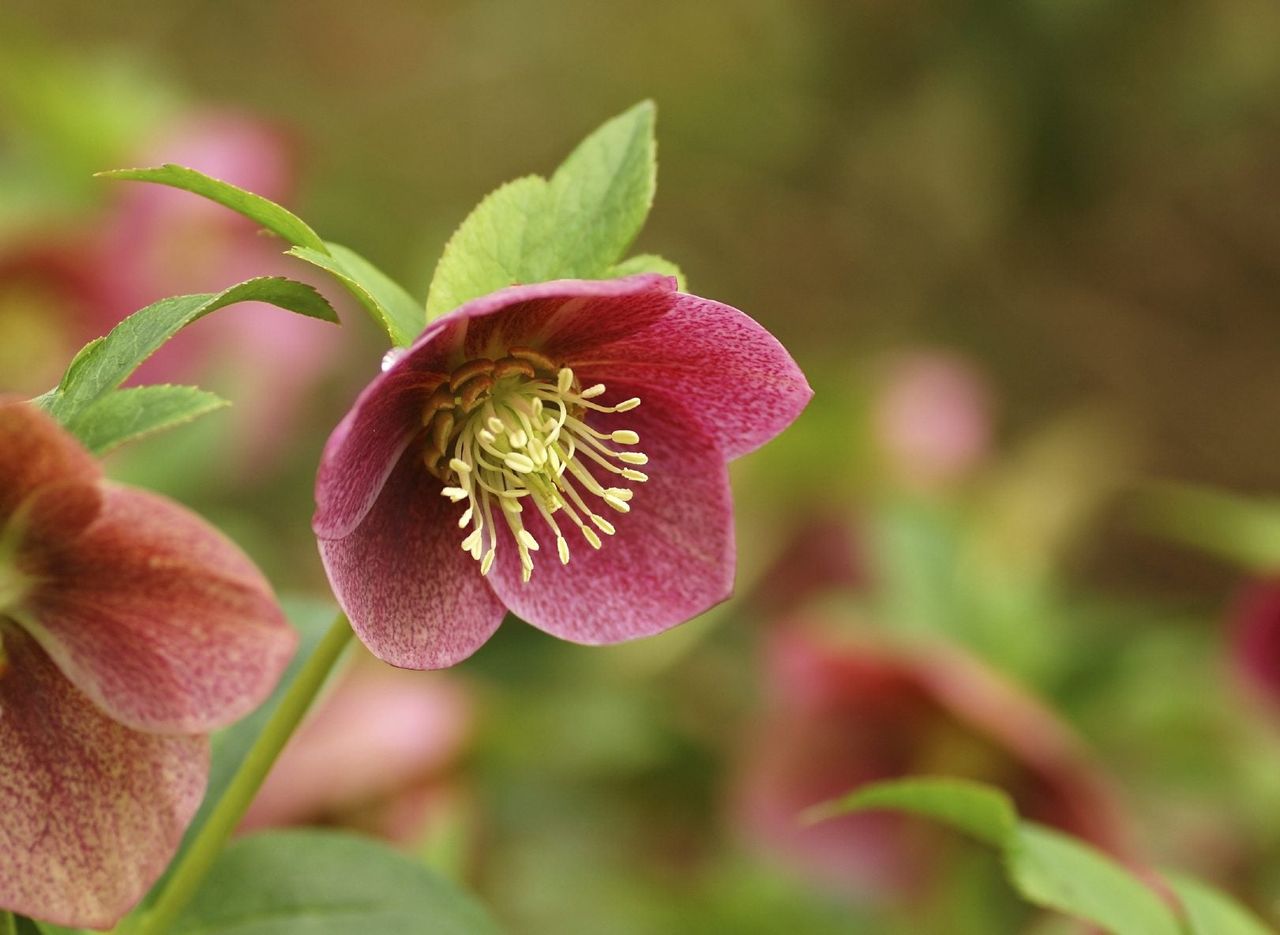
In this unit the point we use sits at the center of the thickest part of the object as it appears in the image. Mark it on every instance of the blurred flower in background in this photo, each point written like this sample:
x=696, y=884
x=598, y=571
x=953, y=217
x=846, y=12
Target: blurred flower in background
x=1254, y=632
x=381, y=754
x=838, y=714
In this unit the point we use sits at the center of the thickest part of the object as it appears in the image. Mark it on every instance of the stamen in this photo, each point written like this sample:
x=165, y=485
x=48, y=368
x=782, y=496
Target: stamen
x=511, y=431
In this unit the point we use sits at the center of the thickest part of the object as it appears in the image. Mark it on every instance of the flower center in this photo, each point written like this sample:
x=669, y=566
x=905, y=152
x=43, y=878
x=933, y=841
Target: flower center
x=506, y=434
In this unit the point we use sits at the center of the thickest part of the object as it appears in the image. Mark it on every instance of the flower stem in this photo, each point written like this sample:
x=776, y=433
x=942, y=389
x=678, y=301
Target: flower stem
x=199, y=858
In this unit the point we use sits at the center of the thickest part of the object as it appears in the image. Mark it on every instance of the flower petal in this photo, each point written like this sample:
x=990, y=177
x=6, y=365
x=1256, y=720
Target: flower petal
x=671, y=559
x=159, y=618
x=413, y=596
x=734, y=377
x=34, y=451
x=93, y=811
x=364, y=448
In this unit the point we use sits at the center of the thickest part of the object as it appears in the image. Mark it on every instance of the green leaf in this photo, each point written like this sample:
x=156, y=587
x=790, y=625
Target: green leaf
x=575, y=226
x=258, y=209
x=124, y=415
x=326, y=883
x=1047, y=868
x=1210, y=912
x=649, y=263
x=389, y=304
x=1242, y=530
x=978, y=810
x=1057, y=872
x=104, y=363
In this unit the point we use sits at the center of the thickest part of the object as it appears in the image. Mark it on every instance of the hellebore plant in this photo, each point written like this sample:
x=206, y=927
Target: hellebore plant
x=129, y=629
x=511, y=429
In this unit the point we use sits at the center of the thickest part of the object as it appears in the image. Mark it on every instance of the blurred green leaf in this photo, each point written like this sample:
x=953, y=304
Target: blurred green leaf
x=1057, y=872
x=382, y=297
x=327, y=883
x=1047, y=868
x=106, y=362
x=1242, y=530
x=574, y=226
x=649, y=263
x=261, y=210
x=1210, y=912
x=976, y=809
x=124, y=415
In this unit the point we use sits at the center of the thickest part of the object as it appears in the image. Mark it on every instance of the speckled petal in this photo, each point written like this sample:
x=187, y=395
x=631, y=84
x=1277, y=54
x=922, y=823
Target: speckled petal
x=93, y=811
x=159, y=618
x=671, y=559
x=413, y=596
x=737, y=381
x=364, y=448
x=35, y=451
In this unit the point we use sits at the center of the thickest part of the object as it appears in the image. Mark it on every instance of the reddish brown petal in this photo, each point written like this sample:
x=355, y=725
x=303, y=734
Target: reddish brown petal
x=34, y=451
x=159, y=618
x=414, y=597
x=671, y=559
x=93, y=811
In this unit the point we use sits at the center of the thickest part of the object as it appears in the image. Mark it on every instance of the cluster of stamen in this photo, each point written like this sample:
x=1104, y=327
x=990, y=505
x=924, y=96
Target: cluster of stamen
x=509, y=433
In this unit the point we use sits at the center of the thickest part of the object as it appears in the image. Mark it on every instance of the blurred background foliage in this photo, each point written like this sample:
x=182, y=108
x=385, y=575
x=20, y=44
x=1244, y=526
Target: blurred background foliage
x=1029, y=255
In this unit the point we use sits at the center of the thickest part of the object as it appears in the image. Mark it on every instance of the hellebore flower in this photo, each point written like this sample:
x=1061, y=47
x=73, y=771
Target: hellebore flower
x=510, y=428
x=842, y=715
x=129, y=629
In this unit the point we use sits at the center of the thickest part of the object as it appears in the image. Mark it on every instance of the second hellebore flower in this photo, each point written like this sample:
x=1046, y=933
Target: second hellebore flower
x=477, y=472
x=129, y=629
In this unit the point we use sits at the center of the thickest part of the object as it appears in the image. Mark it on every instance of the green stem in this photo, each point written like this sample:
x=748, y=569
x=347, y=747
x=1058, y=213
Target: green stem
x=199, y=858
x=8, y=925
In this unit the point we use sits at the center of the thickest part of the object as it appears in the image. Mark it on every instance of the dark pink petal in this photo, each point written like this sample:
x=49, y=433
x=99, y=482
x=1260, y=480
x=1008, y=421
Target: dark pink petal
x=366, y=445
x=93, y=811
x=733, y=376
x=34, y=451
x=159, y=618
x=672, y=557
x=413, y=596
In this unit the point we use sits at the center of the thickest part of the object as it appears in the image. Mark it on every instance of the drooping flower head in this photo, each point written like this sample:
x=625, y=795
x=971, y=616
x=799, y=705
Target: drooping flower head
x=839, y=715
x=129, y=629
x=558, y=449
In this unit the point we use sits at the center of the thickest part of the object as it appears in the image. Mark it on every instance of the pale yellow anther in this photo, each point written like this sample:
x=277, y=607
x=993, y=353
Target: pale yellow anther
x=638, y=476
x=603, y=524
x=518, y=462
x=592, y=391
x=627, y=405
x=460, y=466
x=625, y=437
x=564, y=380
x=592, y=539
x=454, y=493
x=562, y=548
x=527, y=538
x=618, y=504
x=633, y=457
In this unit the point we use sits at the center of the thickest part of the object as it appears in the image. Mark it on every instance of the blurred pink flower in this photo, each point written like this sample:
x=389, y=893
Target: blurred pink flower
x=932, y=417
x=1255, y=624
x=129, y=629
x=839, y=716
x=376, y=755
x=494, y=422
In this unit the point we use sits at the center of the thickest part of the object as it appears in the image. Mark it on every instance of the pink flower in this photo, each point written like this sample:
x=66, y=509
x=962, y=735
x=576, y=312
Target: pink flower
x=129, y=629
x=843, y=715
x=377, y=755
x=1256, y=640
x=474, y=474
